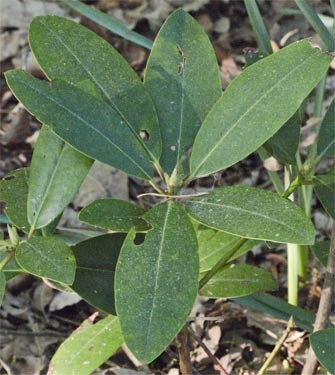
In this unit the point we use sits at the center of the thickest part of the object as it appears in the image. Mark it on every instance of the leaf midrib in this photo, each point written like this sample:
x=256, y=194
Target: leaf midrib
x=115, y=107
x=158, y=264
x=251, y=108
x=88, y=125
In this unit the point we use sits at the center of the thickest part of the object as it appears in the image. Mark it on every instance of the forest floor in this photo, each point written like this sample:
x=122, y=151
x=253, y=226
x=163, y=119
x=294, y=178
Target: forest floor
x=35, y=319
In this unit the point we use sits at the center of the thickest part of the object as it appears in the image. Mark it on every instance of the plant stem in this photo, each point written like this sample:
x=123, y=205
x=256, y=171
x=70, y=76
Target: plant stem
x=226, y=256
x=319, y=96
x=6, y=260
x=258, y=26
x=184, y=352
x=276, y=349
x=315, y=21
x=292, y=187
x=322, y=316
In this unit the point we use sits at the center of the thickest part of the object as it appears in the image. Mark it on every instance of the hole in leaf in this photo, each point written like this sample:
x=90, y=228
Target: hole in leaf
x=8, y=178
x=144, y=135
x=139, y=238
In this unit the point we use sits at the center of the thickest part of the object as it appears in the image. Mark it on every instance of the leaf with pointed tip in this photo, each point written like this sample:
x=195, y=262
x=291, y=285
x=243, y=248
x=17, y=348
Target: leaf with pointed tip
x=321, y=250
x=238, y=280
x=255, y=105
x=47, y=257
x=183, y=79
x=213, y=244
x=156, y=282
x=324, y=187
x=96, y=262
x=326, y=139
x=69, y=51
x=56, y=173
x=284, y=144
x=2, y=286
x=86, y=122
x=253, y=213
x=87, y=348
x=323, y=344
x=14, y=192
x=114, y=214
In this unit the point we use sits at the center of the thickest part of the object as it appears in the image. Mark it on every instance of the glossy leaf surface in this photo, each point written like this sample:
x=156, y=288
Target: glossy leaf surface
x=323, y=344
x=96, y=262
x=183, y=80
x=114, y=214
x=255, y=105
x=253, y=213
x=14, y=192
x=325, y=190
x=56, y=173
x=321, y=250
x=156, y=281
x=213, y=244
x=238, y=280
x=69, y=51
x=2, y=286
x=47, y=257
x=86, y=122
x=326, y=140
x=87, y=348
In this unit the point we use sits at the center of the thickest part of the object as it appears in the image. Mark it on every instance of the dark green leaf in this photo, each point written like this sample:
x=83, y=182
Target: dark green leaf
x=47, y=257
x=238, y=280
x=156, y=281
x=2, y=286
x=87, y=348
x=96, y=261
x=86, y=122
x=213, y=244
x=109, y=22
x=278, y=308
x=323, y=344
x=321, y=250
x=284, y=144
x=183, y=80
x=326, y=140
x=114, y=214
x=255, y=105
x=69, y=51
x=253, y=213
x=14, y=191
x=325, y=190
x=56, y=173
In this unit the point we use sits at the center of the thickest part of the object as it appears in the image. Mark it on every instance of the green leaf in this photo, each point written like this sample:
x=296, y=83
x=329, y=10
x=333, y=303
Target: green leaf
x=96, y=261
x=284, y=144
x=321, y=251
x=87, y=348
x=253, y=213
x=109, y=22
x=156, y=281
x=69, y=51
x=213, y=244
x=323, y=344
x=47, y=257
x=324, y=186
x=11, y=269
x=255, y=105
x=238, y=280
x=278, y=308
x=183, y=79
x=326, y=140
x=86, y=122
x=56, y=173
x=14, y=191
x=2, y=286
x=114, y=214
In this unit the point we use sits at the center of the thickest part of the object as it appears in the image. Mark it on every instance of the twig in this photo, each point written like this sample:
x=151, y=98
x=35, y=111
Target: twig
x=184, y=353
x=322, y=316
x=210, y=355
x=277, y=347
